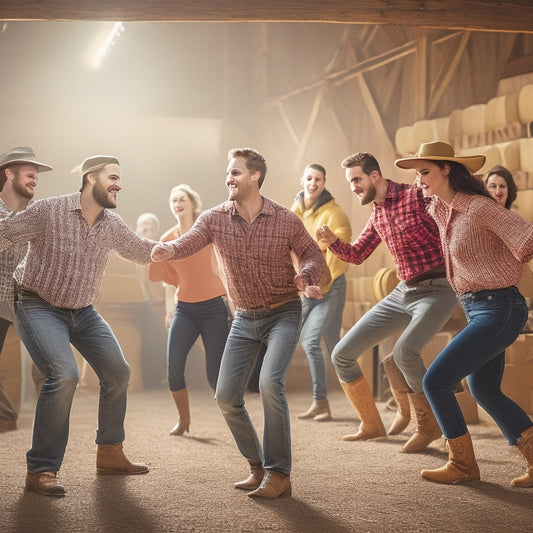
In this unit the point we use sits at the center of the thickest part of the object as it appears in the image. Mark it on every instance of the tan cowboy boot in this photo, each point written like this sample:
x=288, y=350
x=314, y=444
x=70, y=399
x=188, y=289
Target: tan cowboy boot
x=319, y=411
x=362, y=400
x=461, y=464
x=525, y=445
x=44, y=483
x=253, y=481
x=274, y=484
x=399, y=389
x=427, y=427
x=181, y=399
x=110, y=459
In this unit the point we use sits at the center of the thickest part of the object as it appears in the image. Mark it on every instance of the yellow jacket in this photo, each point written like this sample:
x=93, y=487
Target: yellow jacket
x=325, y=211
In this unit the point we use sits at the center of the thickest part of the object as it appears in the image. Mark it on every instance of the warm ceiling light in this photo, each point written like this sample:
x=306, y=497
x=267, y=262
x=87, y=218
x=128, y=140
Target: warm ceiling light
x=107, y=43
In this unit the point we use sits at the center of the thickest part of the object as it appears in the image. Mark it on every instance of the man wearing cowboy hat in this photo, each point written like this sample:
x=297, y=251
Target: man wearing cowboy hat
x=19, y=171
x=417, y=308
x=71, y=237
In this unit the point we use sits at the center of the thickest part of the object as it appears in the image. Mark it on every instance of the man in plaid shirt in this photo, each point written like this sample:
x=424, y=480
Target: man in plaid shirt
x=420, y=305
x=70, y=239
x=19, y=175
x=267, y=257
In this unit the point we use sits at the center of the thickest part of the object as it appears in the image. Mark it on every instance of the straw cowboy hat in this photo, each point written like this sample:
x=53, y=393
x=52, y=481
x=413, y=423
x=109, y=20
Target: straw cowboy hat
x=95, y=162
x=20, y=156
x=441, y=151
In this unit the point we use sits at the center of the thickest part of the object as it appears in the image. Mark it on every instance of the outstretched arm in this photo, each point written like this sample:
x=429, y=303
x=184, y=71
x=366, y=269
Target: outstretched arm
x=324, y=233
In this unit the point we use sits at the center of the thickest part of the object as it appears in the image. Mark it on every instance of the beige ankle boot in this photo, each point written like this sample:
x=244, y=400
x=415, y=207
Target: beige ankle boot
x=181, y=399
x=253, y=481
x=318, y=411
x=461, y=464
x=274, y=485
x=427, y=427
x=110, y=459
x=525, y=445
x=399, y=389
x=362, y=400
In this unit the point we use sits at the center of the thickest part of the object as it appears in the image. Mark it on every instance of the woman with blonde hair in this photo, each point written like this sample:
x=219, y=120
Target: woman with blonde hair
x=201, y=306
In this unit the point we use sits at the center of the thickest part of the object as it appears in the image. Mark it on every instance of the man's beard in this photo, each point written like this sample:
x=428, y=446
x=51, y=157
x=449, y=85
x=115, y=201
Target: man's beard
x=22, y=191
x=100, y=196
x=369, y=196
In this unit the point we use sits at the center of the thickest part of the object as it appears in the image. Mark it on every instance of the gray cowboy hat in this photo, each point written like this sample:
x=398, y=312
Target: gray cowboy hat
x=19, y=156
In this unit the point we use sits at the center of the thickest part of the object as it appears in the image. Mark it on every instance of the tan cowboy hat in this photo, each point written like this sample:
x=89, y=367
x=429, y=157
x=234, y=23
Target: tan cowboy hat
x=441, y=151
x=19, y=156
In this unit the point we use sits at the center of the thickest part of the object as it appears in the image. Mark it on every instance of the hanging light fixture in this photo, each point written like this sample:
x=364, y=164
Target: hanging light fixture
x=109, y=41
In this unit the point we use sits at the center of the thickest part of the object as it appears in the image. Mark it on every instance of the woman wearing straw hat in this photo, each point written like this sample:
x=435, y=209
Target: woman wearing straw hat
x=484, y=247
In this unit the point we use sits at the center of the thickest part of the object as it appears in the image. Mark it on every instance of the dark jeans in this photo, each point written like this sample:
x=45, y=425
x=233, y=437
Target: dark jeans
x=495, y=318
x=211, y=320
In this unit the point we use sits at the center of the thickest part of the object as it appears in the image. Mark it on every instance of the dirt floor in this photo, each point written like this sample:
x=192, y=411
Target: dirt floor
x=337, y=486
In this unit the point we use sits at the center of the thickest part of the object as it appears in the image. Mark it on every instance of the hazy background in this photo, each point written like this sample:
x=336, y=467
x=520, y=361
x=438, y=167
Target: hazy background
x=155, y=103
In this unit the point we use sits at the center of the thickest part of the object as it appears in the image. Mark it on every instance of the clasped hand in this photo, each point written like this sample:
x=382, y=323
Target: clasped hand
x=162, y=252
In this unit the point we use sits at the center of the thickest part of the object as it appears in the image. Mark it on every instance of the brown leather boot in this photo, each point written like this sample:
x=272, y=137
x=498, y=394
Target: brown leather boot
x=44, y=483
x=525, y=445
x=319, y=411
x=181, y=399
x=461, y=464
x=110, y=459
x=362, y=400
x=399, y=389
x=253, y=481
x=427, y=427
x=274, y=484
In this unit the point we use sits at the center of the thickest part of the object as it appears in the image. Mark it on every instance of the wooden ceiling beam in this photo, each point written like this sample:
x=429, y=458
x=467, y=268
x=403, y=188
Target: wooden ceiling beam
x=481, y=15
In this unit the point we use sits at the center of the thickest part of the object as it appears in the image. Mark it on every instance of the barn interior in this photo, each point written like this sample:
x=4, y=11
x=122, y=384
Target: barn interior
x=179, y=85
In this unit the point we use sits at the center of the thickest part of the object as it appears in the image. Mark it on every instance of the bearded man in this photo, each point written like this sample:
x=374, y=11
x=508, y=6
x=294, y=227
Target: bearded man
x=71, y=237
x=416, y=309
x=19, y=175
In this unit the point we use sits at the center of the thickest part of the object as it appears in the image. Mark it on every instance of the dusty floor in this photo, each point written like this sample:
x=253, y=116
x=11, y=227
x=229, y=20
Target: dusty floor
x=337, y=486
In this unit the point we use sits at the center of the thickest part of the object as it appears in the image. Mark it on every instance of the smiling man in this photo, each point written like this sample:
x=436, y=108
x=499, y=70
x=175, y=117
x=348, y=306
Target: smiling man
x=71, y=237
x=256, y=240
x=417, y=308
x=322, y=318
x=19, y=174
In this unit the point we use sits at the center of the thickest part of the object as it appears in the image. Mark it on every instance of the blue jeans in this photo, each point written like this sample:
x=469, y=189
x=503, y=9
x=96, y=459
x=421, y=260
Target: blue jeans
x=47, y=333
x=495, y=318
x=251, y=331
x=210, y=319
x=322, y=318
x=420, y=311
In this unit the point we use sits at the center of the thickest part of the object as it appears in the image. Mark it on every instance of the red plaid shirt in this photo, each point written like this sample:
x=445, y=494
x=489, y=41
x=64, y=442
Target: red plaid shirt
x=259, y=260
x=408, y=230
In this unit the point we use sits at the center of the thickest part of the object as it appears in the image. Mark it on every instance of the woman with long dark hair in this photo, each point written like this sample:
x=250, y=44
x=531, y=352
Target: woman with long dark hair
x=484, y=246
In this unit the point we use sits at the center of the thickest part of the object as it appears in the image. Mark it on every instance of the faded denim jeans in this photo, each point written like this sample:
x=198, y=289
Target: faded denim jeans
x=420, y=311
x=47, y=333
x=278, y=330
x=322, y=319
